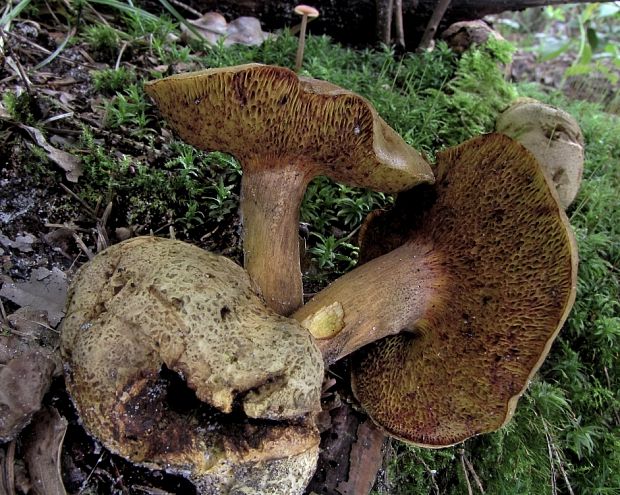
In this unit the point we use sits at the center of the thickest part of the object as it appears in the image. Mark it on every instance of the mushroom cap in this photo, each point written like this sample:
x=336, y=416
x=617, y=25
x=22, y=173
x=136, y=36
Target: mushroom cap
x=553, y=136
x=507, y=255
x=306, y=10
x=149, y=304
x=259, y=112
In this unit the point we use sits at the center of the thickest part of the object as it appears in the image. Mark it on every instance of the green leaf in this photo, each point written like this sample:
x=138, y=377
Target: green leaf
x=592, y=38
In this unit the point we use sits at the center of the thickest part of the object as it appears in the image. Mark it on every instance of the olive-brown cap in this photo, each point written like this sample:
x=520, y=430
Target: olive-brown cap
x=497, y=255
x=147, y=305
x=255, y=109
x=285, y=130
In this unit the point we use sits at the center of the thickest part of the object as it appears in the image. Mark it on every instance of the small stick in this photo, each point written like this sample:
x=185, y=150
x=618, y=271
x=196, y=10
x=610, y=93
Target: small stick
x=462, y=454
x=431, y=27
x=83, y=247
x=80, y=200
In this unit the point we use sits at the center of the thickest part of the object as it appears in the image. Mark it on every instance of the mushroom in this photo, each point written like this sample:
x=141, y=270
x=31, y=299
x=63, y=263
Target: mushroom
x=476, y=287
x=305, y=11
x=148, y=313
x=246, y=31
x=285, y=131
x=554, y=138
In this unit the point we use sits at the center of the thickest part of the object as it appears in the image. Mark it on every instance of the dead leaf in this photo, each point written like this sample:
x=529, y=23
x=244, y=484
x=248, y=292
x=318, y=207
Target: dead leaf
x=32, y=324
x=45, y=291
x=24, y=380
x=68, y=162
x=23, y=242
x=43, y=445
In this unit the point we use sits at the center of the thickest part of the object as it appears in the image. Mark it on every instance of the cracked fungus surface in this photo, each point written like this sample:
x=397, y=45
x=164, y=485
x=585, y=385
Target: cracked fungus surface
x=254, y=109
x=510, y=260
x=147, y=303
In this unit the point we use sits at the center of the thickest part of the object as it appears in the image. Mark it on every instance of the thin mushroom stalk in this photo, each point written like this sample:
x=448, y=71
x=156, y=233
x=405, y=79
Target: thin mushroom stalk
x=285, y=130
x=459, y=303
x=305, y=11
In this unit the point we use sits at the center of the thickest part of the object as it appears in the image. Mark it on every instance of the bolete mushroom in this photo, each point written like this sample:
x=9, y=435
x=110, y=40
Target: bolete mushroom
x=554, y=138
x=149, y=312
x=476, y=286
x=285, y=131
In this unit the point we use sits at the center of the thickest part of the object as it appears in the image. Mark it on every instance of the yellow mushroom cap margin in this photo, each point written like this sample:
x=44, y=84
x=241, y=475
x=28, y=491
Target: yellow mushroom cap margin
x=147, y=303
x=509, y=259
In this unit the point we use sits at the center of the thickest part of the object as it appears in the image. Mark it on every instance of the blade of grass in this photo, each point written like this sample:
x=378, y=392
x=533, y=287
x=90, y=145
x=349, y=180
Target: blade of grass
x=11, y=14
x=56, y=52
x=123, y=7
x=182, y=20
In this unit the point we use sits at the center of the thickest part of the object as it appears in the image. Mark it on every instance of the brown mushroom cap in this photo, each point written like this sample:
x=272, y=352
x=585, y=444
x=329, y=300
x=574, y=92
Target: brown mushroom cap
x=285, y=131
x=148, y=304
x=481, y=285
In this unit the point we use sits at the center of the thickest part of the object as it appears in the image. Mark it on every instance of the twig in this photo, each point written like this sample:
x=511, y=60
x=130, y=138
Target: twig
x=433, y=23
x=10, y=468
x=462, y=454
x=80, y=200
x=470, y=466
x=554, y=488
x=120, y=55
x=430, y=472
x=83, y=246
x=186, y=7
x=3, y=312
x=90, y=474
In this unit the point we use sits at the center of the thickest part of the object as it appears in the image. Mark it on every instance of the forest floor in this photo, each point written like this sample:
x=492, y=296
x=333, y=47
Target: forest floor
x=48, y=230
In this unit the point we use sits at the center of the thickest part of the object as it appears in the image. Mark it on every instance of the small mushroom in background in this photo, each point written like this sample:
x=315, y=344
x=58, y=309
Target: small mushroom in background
x=213, y=27
x=554, y=138
x=285, y=130
x=306, y=12
x=469, y=292
x=245, y=31
x=462, y=36
x=147, y=314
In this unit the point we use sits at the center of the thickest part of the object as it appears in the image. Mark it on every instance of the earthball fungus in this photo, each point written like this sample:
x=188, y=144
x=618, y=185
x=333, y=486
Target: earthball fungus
x=554, y=138
x=174, y=363
x=469, y=281
x=285, y=130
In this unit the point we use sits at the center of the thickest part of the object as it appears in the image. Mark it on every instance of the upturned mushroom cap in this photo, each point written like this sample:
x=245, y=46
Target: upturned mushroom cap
x=509, y=261
x=468, y=282
x=553, y=136
x=285, y=130
x=147, y=305
x=260, y=110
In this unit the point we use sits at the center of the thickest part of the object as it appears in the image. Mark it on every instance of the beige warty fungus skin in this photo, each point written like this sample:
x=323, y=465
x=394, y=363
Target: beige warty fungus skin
x=478, y=285
x=553, y=136
x=147, y=304
x=285, y=131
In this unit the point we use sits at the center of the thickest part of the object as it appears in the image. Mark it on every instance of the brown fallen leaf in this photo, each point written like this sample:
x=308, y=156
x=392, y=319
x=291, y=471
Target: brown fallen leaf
x=45, y=291
x=42, y=447
x=22, y=242
x=66, y=161
x=24, y=379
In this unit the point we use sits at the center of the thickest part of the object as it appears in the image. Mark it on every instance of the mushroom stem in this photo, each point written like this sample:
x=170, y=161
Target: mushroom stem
x=270, y=201
x=301, y=43
x=410, y=278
